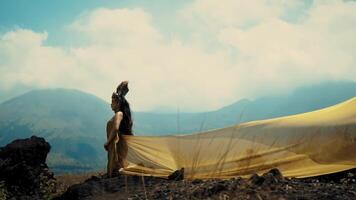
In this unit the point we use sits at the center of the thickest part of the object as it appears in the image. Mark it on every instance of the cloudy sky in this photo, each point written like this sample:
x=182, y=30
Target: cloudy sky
x=197, y=55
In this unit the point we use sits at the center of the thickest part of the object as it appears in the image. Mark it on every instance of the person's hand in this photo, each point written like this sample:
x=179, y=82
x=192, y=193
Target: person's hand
x=106, y=145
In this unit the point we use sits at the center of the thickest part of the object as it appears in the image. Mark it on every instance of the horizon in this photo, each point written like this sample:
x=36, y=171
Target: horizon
x=191, y=56
x=170, y=111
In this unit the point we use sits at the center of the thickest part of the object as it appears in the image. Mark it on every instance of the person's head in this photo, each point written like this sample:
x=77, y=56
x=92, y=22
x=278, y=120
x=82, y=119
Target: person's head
x=118, y=100
x=115, y=104
x=119, y=103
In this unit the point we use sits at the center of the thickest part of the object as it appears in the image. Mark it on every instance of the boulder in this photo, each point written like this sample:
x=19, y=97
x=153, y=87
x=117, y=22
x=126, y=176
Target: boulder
x=24, y=173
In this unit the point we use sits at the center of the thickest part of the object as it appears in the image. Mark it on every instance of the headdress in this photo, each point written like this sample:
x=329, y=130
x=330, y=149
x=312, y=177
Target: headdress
x=121, y=90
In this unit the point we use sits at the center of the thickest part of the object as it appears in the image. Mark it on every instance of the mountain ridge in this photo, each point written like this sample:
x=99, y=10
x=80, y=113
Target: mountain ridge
x=74, y=121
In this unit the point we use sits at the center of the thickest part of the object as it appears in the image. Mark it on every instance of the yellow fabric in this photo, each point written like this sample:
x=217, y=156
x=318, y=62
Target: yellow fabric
x=303, y=145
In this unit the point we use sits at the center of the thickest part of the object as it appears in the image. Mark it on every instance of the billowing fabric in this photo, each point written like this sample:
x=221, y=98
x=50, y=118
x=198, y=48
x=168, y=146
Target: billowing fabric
x=303, y=145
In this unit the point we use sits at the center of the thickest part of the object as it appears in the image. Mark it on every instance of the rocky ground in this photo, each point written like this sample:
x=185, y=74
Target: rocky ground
x=271, y=185
x=25, y=175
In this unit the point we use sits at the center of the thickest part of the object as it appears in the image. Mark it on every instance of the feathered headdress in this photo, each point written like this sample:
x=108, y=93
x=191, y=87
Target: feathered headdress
x=122, y=89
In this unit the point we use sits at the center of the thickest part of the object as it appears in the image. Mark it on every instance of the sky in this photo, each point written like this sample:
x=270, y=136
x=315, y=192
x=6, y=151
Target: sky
x=196, y=55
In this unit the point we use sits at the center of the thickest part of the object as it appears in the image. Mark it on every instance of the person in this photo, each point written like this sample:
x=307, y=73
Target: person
x=120, y=124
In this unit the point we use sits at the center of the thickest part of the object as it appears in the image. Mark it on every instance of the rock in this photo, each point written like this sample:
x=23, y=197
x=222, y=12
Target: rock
x=256, y=180
x=23, y=169
x=178, y=175
x=197, y=181
x=272, y=177
x=276, y=174
x=216, y=188
x=32, y=151
x=269, y=178
x=98, y=186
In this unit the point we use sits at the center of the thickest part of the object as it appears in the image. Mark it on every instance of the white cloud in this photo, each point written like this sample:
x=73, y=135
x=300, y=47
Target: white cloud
x=25, y=60
x=277, y=54
x=122, y=44
x=213, y=14
x=116, y=27
x=162, y=73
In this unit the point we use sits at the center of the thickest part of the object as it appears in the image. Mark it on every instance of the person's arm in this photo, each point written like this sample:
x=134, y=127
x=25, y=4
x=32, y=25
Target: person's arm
x=117, y=120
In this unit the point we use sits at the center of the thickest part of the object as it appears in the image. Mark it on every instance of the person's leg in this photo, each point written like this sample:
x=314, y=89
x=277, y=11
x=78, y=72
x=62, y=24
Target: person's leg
x=112, y=159
x=122, y=149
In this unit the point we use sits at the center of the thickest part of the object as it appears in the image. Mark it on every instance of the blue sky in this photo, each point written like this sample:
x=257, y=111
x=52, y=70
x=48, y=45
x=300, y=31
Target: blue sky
x=198, y=55
x=54, y=16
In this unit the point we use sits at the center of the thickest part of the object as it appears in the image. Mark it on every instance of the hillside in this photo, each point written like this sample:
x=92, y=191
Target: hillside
x=73, y=122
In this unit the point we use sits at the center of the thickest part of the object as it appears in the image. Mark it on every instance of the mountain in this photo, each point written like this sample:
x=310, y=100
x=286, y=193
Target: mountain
x=74, y=122
x=303, y=99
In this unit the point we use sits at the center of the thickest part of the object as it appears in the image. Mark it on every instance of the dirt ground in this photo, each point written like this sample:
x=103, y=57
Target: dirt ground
x=271, y=185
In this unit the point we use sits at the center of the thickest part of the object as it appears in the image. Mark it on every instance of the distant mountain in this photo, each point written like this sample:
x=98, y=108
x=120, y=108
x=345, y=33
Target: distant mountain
x=301, y=100
x=74, y=122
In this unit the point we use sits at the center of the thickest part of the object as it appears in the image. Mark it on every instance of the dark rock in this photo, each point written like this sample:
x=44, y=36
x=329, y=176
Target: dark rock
x=178, y=175
x=32, y=151
x=272, y=177
x=23, y=169
x=276, y=174
x=256, y=180
x=269, y=178
x=197, y=181
x=97, y=186
x=216, y=188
